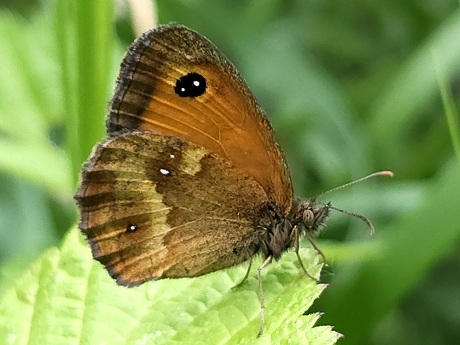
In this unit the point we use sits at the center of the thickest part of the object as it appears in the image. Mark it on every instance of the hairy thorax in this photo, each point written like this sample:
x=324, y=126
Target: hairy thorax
x=279, y=233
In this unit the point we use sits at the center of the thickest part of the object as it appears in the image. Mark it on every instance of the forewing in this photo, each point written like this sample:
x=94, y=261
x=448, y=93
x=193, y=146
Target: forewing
x=225, y=120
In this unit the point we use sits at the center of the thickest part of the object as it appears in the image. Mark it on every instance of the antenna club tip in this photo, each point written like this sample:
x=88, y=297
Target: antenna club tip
x=388, y=173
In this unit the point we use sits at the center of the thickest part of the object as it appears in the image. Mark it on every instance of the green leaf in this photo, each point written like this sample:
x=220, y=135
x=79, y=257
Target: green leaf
x=68, y=298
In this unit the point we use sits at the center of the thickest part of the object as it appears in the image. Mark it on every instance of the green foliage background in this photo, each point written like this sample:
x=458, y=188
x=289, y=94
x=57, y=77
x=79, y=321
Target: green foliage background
x=350, y=87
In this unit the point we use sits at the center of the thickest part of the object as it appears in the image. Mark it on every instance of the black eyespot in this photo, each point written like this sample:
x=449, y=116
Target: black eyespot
x=190, y=85
x=131, y=227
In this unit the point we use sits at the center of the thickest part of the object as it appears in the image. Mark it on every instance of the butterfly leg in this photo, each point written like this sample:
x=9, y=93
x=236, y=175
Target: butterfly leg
x=245, y=276
x=316, y=247
x=261, y=294
x=296, y=236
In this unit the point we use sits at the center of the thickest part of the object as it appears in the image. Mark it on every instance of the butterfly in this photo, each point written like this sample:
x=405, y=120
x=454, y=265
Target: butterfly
x=190, y=178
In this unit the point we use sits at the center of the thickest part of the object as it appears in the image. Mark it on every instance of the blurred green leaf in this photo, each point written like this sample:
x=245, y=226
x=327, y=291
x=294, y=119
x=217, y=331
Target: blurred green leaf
x=410, y=89
x=50, y=165
x=364, y=292
x=85, y=45
x=452, y=115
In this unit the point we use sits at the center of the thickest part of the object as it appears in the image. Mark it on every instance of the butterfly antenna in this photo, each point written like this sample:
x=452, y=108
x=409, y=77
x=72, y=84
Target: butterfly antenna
x=379, y=173
x=359, y=216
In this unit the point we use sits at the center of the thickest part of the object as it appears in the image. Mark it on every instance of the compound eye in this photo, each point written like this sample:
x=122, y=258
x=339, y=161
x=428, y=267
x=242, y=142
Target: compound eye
x=308, y=217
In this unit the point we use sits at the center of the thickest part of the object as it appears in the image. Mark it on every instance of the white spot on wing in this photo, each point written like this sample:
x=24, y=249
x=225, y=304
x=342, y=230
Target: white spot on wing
x=164, y=171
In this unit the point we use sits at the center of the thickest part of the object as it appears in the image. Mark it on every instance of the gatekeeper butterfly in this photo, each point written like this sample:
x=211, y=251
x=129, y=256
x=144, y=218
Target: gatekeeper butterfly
x=191, y=178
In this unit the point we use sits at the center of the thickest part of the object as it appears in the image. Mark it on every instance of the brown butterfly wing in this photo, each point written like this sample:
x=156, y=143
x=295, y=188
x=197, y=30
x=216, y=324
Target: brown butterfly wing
x=147, y=199
x=225, y=119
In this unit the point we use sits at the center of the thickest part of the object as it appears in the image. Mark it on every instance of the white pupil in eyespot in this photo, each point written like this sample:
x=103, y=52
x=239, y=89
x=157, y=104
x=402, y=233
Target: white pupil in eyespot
x=164, y=171
x=196, y=83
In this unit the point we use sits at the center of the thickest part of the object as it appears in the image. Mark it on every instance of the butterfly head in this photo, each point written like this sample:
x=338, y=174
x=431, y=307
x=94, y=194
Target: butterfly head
x=309, y=216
